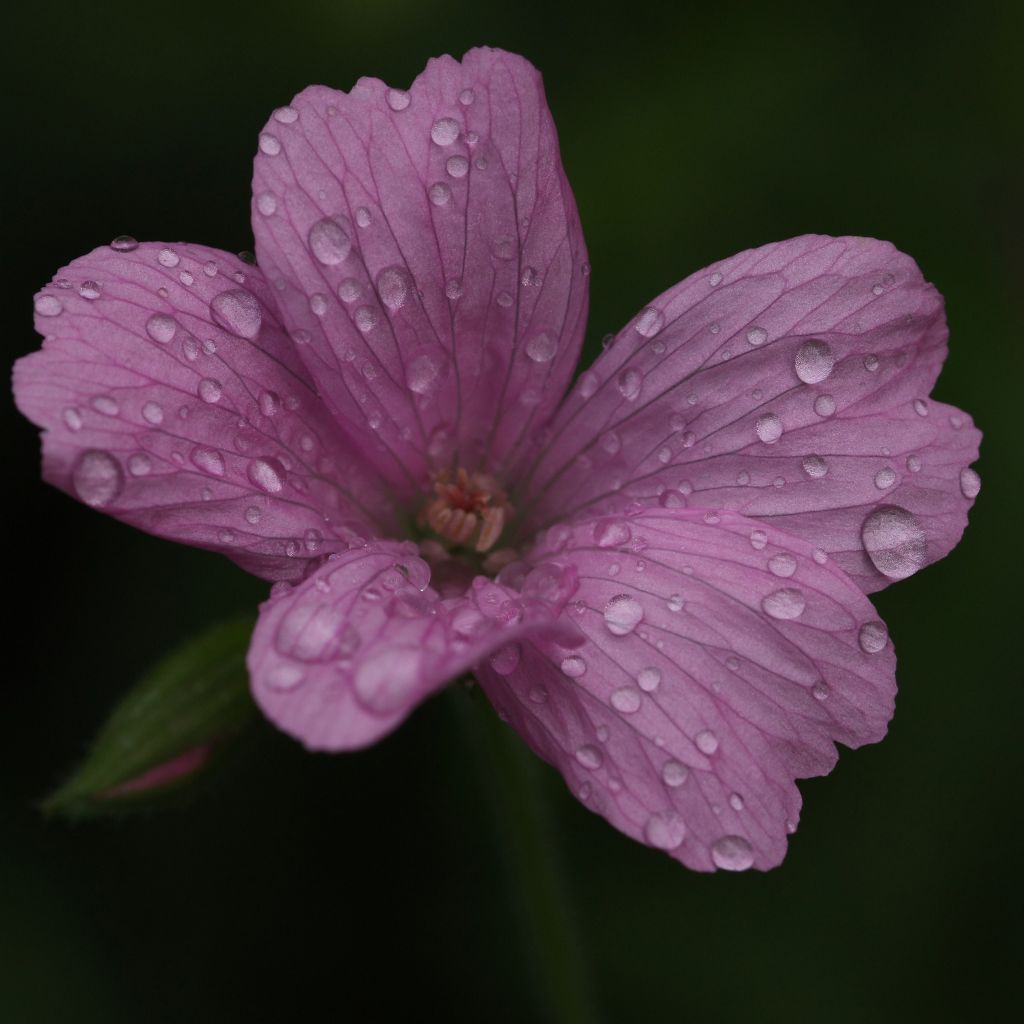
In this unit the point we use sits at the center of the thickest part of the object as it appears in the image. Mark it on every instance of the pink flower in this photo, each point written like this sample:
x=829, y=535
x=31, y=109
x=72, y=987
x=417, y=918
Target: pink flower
x=658, y=578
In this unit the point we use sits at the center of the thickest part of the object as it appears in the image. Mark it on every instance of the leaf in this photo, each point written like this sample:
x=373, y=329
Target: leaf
x=168, y=728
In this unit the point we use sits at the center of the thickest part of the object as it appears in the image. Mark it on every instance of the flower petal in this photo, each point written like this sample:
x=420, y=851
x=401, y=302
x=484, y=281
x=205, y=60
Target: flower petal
x=428, y=244
x=789, y=383
x=722, y=660
x=344, y=657
x=171, y=398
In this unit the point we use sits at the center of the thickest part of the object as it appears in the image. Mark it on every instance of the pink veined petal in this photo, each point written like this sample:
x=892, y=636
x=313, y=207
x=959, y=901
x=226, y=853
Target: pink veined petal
x=722, y=660
x=789, y=383
x=171, y=398
x=343, y=658
x=427, y=242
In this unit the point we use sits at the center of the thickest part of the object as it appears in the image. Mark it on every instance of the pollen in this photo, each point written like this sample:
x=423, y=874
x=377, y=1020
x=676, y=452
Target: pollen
x=468, y=509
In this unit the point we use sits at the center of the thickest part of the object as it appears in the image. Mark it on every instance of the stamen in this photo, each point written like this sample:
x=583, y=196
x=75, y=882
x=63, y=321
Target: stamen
x=469, y=511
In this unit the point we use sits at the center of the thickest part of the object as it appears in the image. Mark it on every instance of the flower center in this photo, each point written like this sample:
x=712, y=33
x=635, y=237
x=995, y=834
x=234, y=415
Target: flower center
x=468, y=510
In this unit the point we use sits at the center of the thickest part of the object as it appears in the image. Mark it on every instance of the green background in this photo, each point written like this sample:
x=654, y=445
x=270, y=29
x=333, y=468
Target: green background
x=372, y=887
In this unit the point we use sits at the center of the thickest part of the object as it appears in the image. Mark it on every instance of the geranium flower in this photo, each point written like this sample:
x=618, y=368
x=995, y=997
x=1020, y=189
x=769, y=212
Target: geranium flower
x=658, y=578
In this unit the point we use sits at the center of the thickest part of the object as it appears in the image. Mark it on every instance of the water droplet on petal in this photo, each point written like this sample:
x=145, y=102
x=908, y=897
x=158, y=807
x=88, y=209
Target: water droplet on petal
x=210, y=390
x=783, y=565
x=814, y=361
x=541, y=348
x=815, y=466
x=885, y=478
x=768, y=428
x=665, y=831
x=629, y=383
x=505, y=660
x=286, y=115
x=825, y=405
x=238, y=312
x=466, y=97
x=439, y=193
x=48, y=305
x=426, y=371
x=398, y=99
x=648, y=679
x=788, y=603
x=209, y=460
x=820, y=690
x=674, y=773
x=445, y=131
x=284, y=677
x=329, y=242
x=106, y=405
x=895, y=542
x=707, y=742
x=72, y=419
x=153, y=413
x=574, y=666
x=758, y=539
x=97, y=478
x=732, y=853
x=266, y=203
x=393, y=287
x=649, y=322
x=622, y=614
x=386, y=681
x=590, y=757
x=139, y=464
x=269, y=144
x=970, y=483
x=124, y=243
x=757, y=336
x=626, y=700
x=267, y=474
x=873, y=637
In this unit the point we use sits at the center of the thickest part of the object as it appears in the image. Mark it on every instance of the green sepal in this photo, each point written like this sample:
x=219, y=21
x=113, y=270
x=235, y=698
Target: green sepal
x=196, y=699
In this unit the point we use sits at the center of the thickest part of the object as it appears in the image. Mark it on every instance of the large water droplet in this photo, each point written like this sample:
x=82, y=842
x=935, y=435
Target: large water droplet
x=210, y=390
x=168, y=258
x=611, y=533
x=814, y=361
x=541, y=348
x=445, y=131
x=589, y=756
x=665, y=831
x=48, y=305
x=426, y=371
x=757, y=336
x=506, y=659
x=329, y=242
x=648, y=679
x=97, y=478
x=707, y=742
x=649, y=322
x=970, y=484
x=124, y=243
x=398, y=99
x=439, y=193
x=574, y=666
x=457, y=166
x=622, y=614
x=393, y=287
x=209, y=460
x=873, y=637
x=783, y=565
x=815, y=466
x=768, y=428
x=674, y=773
x=732, y=853
x=267, y=474
x=626, y=700
x=238, y=312
x=153, y=413
x=787, y=603
x=269, y=144
x=629, y=383
x=895, y=542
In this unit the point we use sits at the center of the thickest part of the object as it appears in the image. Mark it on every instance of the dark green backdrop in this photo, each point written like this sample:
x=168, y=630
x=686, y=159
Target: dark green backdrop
x=370, y=887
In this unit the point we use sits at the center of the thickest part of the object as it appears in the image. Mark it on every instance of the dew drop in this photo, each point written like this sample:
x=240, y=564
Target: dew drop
x=787, y=603
x=457, y=166
x=732, y=853
x=393, y=287
x=885, y=478
x=629, y=383
x=768, y=428
x=664, y=831
x=814, y=466
x=286, y=115
x=267, y=474
x=648, y=679
x=573, y=666
x=72, y=419
x=398, y=99
x=820, y=690
x=541, y=348
x=590, y=757
x=873, y=637
x=466, y=97
x=209, y=460
x=445, y=131
x=611, y=533
x=238, y=312
x=894, y=541
x=707, y=742
x=329, y=242
x=757, y=336
x=825, y=405
x=674, y=773
x=622, y=615
x=425, y=372
x=106, y=405
x=758, y=539
x=505, y=660
x=782, y=565
x=168, y=258
x=124, y=243
x=153, y=413
x=649, y=322
x=970, y=483
x=814, y=361
x=439, y=193
x=270, y=145
x=285, y=677
x=266, y=203
x=89, y=290
x=48, y=305
x=139, y=464
x=626, y=700
x=210, y=390
x=97, y=478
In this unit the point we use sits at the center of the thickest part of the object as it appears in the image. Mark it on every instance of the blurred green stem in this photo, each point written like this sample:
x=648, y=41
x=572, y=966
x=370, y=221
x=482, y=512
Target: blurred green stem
x=513, y=787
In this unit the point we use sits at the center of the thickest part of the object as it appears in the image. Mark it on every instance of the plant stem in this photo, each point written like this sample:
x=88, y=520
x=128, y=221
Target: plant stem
x=511, y=779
